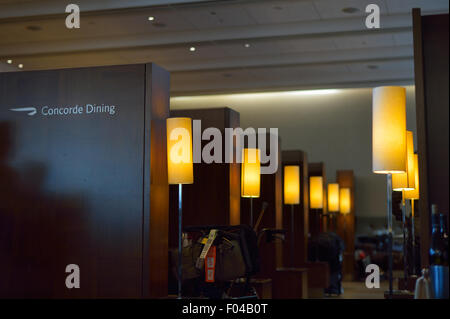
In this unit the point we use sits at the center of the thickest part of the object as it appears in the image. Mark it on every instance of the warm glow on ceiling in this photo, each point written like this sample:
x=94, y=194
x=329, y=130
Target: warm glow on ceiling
x=263, y=95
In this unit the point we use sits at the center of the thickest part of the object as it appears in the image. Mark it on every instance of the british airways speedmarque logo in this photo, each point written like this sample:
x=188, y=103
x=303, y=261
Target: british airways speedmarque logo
x=31, y=110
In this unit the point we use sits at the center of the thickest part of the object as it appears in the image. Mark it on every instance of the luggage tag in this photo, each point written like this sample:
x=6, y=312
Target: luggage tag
x=201, y=259
x=210, y=265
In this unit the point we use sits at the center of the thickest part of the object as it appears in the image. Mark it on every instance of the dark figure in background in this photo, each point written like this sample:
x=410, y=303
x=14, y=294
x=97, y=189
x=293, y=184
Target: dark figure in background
x=329, y=247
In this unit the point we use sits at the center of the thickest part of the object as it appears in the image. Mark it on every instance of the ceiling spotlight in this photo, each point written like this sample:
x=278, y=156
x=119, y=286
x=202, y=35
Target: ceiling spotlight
x=247, y=45
x=350, y=10
x=9, y=61
x=20, y=66
x=192, y=49
x=151, y=18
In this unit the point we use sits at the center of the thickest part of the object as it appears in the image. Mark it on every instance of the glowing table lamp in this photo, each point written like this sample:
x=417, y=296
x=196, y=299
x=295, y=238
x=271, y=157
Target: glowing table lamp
x=292, y=197
x=292, y=184
x=180, y=170
x=250, y=176
x=389, y=144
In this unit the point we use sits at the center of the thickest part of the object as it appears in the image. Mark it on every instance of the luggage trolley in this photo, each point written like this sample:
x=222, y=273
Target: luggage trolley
x=218, y=258
x=218, y=261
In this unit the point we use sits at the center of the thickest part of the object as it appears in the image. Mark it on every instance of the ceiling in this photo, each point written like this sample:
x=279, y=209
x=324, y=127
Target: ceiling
x=240, y=45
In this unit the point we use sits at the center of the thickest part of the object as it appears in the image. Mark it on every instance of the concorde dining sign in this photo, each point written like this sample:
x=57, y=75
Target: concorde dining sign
x=67, y=110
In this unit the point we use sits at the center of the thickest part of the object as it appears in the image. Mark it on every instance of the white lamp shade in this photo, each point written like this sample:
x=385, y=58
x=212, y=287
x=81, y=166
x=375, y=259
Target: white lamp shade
x=389, y=130
x=179, y=150
x=250, y=172
x=291, y=184
x=333, y=197
x=316, y=192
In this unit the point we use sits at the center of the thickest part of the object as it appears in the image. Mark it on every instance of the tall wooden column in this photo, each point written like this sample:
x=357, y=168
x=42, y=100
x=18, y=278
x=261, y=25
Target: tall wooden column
x=271, y=193
x=346, y=223
x=432, y=98
x=156, y=207
x=301, y=212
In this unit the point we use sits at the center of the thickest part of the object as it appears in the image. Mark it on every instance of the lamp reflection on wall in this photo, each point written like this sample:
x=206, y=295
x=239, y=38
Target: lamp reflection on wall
x=333, y=201
x=180, y=170
x=316, y=198
x=292, y=197
x=250, y=176
x=405, y=182
x=389, y=145
x=413, y=195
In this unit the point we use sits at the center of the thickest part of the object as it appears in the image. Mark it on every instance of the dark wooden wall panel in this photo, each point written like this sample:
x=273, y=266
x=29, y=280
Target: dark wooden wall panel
x=72, y=187
x=431, y=51
x=301, y=212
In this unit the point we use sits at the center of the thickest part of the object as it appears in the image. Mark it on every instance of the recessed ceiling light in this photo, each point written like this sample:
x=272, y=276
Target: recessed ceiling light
x=151, y=18
x=20, y=66
x=192, y=49
x=247, y=45
x=9, y=61
x=350, y=10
